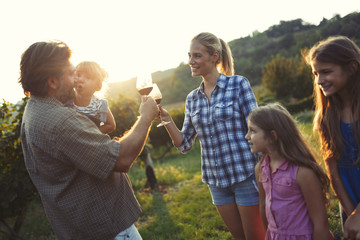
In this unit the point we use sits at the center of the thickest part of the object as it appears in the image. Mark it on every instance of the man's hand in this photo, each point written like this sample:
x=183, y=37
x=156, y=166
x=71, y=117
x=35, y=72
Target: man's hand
x=148, y=108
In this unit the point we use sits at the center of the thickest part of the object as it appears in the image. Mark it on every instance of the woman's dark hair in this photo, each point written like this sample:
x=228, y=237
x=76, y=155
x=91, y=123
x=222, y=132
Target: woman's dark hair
x=41, y=61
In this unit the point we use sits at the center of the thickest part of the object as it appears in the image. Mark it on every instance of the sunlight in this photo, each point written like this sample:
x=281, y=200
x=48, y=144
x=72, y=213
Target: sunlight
x=125, y=38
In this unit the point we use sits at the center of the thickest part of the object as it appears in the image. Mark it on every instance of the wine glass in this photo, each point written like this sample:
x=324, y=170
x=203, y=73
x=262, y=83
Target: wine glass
x=144, y=83
x=157, y=96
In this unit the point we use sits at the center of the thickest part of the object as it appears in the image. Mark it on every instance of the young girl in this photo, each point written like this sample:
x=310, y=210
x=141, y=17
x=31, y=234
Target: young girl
x=292, y=186
x=216, y=112
x=89, y=78
x=335, y=65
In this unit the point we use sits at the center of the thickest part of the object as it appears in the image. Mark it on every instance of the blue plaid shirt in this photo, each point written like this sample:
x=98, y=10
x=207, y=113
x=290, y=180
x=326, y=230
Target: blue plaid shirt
x=221, y=125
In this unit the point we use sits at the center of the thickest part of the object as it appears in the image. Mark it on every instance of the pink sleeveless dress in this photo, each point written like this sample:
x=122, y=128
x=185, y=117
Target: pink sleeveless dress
x=286, y=211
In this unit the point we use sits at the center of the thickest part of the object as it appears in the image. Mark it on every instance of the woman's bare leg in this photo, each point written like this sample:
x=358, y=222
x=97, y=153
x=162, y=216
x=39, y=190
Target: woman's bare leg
x=251, y=222
x=231, y=217
x=243, y=222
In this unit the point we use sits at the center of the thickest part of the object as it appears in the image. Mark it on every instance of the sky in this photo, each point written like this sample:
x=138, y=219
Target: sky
x=132, y=36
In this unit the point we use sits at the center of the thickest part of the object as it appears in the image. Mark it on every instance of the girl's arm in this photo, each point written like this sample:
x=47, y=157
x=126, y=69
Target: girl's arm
x=311, y=189
x=338, y=186
x=261, y=197
x=352, y=225
x=171, y=128
x=110, y=123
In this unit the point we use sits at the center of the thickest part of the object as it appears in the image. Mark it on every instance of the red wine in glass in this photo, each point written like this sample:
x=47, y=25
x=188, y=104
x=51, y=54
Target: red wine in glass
x=145, y=91
x=157, y=96
x=144, y=83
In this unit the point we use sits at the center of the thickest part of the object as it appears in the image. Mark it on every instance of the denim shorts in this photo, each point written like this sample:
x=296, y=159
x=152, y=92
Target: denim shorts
x=244, y=193
x=130, y=233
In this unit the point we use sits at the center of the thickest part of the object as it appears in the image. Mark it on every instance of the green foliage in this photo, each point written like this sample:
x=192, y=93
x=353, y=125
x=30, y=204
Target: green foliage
x=301, y=105
x=287, y=27
x=287, y=79
x=278, y=76
x=303, y=82
x=180, y=84
x=159, y=136
x=36, y=224
x=16, y=188
x=125, y=111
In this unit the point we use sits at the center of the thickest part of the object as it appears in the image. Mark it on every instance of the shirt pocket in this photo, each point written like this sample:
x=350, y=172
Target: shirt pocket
x=284, y=187
x=195, y=118
x=224, y=111
x=264, y=180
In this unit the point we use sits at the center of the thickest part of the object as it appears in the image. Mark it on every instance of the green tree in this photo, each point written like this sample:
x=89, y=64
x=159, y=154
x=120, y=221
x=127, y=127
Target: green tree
x=278, y=76
x=287, y=78
x=125, y=111
x=16, y=188
x=303, y=82
x=159, y=136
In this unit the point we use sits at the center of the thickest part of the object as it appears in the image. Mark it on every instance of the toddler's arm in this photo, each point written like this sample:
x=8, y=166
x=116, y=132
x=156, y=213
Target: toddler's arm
x=110, y=123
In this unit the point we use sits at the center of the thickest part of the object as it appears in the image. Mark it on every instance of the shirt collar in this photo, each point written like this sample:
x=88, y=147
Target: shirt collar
x=49, y=99
x=283, y=166
x=221, y=83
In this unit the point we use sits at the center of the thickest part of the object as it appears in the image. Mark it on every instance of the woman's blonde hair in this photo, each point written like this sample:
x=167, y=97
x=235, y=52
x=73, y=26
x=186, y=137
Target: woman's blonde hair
x=212, y=44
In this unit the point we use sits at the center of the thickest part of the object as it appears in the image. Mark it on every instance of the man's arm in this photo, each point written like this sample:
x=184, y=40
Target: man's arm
x=134, y=140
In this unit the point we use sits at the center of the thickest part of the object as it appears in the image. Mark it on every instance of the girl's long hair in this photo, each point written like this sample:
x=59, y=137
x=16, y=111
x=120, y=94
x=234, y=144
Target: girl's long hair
x=342, y=51
x=212, y=44
x=290, y=143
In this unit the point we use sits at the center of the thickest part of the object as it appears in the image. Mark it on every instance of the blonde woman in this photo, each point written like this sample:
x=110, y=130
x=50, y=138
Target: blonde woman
x=216, y=112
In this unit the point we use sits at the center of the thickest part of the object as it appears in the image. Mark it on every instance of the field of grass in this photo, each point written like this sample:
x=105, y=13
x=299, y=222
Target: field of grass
x=181, y=208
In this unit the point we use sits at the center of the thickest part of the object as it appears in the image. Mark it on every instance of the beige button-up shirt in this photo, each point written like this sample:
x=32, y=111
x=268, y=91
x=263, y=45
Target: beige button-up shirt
x=71, y=164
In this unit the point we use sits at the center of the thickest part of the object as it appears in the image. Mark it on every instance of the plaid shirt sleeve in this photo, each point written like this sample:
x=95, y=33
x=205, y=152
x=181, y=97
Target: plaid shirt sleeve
x=247, y=102
x=188, y=130
x=75, y=136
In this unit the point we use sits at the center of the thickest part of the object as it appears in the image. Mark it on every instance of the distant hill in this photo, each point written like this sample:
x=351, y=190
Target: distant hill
x=127, y=88
x=251, y=54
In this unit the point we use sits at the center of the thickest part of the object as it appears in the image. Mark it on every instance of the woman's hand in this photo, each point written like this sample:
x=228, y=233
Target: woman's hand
x=165, y=116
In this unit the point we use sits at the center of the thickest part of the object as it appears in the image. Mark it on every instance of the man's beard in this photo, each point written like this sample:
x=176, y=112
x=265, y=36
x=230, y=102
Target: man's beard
x=65, y=93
